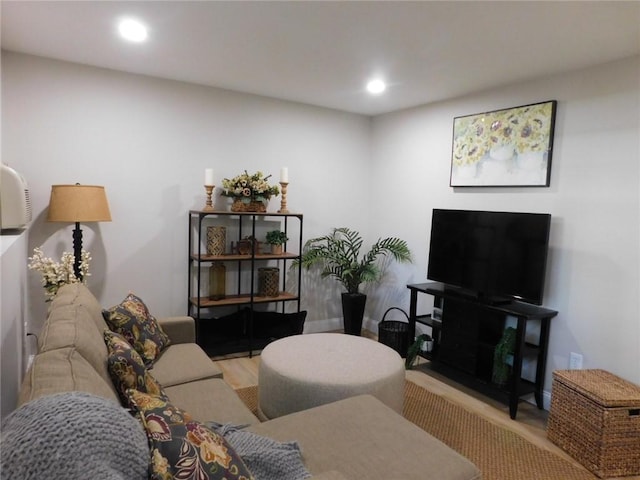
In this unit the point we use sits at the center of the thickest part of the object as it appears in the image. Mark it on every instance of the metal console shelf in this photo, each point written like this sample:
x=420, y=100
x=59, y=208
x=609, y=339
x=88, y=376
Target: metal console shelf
x=244, y=268
x=466, y=336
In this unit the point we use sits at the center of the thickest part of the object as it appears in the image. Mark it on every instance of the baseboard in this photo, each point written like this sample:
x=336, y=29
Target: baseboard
x=321, y=326
x=546, y=400
x=336, y=324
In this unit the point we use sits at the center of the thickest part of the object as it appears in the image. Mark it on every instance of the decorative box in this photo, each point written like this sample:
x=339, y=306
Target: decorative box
x=595, y=418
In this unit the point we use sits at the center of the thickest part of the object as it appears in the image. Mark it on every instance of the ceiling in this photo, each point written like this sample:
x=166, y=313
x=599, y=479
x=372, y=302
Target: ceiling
x=322, y=52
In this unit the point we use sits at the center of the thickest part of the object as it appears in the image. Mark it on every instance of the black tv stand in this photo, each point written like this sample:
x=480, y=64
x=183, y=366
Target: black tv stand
x=468, y=332
x=495, y=301
x=475, y=296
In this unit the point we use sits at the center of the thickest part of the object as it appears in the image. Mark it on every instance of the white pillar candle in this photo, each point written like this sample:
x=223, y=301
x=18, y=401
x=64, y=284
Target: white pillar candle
x=208, y=176
x=284, y=175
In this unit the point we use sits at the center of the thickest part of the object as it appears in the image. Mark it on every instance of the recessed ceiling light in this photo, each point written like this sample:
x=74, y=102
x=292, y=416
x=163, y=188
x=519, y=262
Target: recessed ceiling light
x=376, y=87
x=132, y=30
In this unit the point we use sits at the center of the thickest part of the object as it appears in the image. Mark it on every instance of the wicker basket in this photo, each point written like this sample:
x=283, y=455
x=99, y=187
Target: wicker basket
x=268, y=281
x=216, y=240
x=595, y=417
x=393, y=333
x=253, y=206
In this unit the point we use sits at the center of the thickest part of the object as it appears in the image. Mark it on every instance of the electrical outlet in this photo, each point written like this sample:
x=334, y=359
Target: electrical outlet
x=575, y=361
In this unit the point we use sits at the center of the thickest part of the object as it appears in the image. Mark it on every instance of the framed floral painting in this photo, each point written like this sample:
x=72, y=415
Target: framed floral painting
x=504, y=148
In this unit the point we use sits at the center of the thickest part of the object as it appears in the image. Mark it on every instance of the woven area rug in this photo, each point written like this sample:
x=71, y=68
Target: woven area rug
x=499, y=453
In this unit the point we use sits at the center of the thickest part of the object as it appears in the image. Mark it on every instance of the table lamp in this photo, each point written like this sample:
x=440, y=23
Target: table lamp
x=74, y=204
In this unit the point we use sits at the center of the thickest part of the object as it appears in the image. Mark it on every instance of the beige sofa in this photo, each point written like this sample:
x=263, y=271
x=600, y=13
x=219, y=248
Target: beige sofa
x=355, y=438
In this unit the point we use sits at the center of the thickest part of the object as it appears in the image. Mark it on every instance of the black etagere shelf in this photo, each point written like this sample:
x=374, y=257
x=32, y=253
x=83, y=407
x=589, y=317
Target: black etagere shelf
x=229, y=331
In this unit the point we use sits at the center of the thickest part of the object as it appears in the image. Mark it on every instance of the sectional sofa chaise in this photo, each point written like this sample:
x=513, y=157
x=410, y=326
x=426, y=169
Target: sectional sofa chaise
x=357, y=438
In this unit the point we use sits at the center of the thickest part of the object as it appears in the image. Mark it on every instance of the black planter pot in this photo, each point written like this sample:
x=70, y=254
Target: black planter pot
x=353, y=312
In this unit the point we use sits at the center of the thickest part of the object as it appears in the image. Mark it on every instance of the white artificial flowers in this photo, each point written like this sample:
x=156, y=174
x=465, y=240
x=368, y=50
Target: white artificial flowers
x=55, y=274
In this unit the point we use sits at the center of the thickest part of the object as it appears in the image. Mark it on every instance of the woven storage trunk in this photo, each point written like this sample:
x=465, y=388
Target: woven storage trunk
x=595, y=417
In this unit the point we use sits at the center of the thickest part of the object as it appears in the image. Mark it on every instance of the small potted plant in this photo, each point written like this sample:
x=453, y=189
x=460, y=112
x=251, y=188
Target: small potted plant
x=276, y=239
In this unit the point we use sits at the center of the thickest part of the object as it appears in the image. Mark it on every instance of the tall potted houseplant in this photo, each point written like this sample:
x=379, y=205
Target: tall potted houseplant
x=339, y=255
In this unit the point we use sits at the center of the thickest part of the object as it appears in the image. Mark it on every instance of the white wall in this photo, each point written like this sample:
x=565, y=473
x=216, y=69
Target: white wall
x=13, y=286
x=594, y=264
x=148, y=141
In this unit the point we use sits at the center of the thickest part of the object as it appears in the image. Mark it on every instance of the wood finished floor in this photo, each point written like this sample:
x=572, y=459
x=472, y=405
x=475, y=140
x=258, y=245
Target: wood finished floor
x=242, y=371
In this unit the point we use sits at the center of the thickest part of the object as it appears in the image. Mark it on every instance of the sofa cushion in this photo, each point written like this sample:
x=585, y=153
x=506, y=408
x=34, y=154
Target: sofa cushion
x=79, y=294
x=132, y=319
x=181, y=329
x=73, y=435
x=182, y=363
x=71, y=325
x=367, y=427
x=183, y=447
x=211, y=400
x=127, y=369
x=330, y=475
x=63, y=370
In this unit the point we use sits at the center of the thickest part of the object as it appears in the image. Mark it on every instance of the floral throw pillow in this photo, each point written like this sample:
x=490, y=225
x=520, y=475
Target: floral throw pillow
x=133, y=321
x=182, y=447
x=127, y=369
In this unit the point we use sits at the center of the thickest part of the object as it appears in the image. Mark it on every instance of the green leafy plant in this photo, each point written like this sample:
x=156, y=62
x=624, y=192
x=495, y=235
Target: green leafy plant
x=339, y=255
x=414, y=349
x=276, y=237
x=501, y=356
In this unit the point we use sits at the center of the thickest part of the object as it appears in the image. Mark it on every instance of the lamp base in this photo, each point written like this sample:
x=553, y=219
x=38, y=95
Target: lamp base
x=77, y=251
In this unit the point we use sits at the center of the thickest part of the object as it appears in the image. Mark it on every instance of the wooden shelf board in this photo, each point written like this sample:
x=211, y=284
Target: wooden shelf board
x=243, y=258
x=241, y=300
x=429, y=321
x=244, y=214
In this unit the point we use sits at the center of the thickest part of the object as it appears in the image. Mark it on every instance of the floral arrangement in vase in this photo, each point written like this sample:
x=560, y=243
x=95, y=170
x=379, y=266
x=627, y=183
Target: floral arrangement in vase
x=57, y=274
x=249, y=192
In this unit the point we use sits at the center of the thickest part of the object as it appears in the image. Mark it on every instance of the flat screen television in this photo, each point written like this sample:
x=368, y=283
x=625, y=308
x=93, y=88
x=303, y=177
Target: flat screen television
x=493, y=256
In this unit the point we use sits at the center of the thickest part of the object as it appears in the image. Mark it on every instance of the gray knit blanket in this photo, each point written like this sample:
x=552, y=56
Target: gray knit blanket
x=70, y=436
x=265, y=458
x=76, y=435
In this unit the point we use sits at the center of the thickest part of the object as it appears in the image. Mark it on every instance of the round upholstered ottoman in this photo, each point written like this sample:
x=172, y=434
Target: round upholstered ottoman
x=304, y=371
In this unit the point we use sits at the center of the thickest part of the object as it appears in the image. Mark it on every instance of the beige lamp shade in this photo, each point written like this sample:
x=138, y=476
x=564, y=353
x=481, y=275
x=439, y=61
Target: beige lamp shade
x=78, y=203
